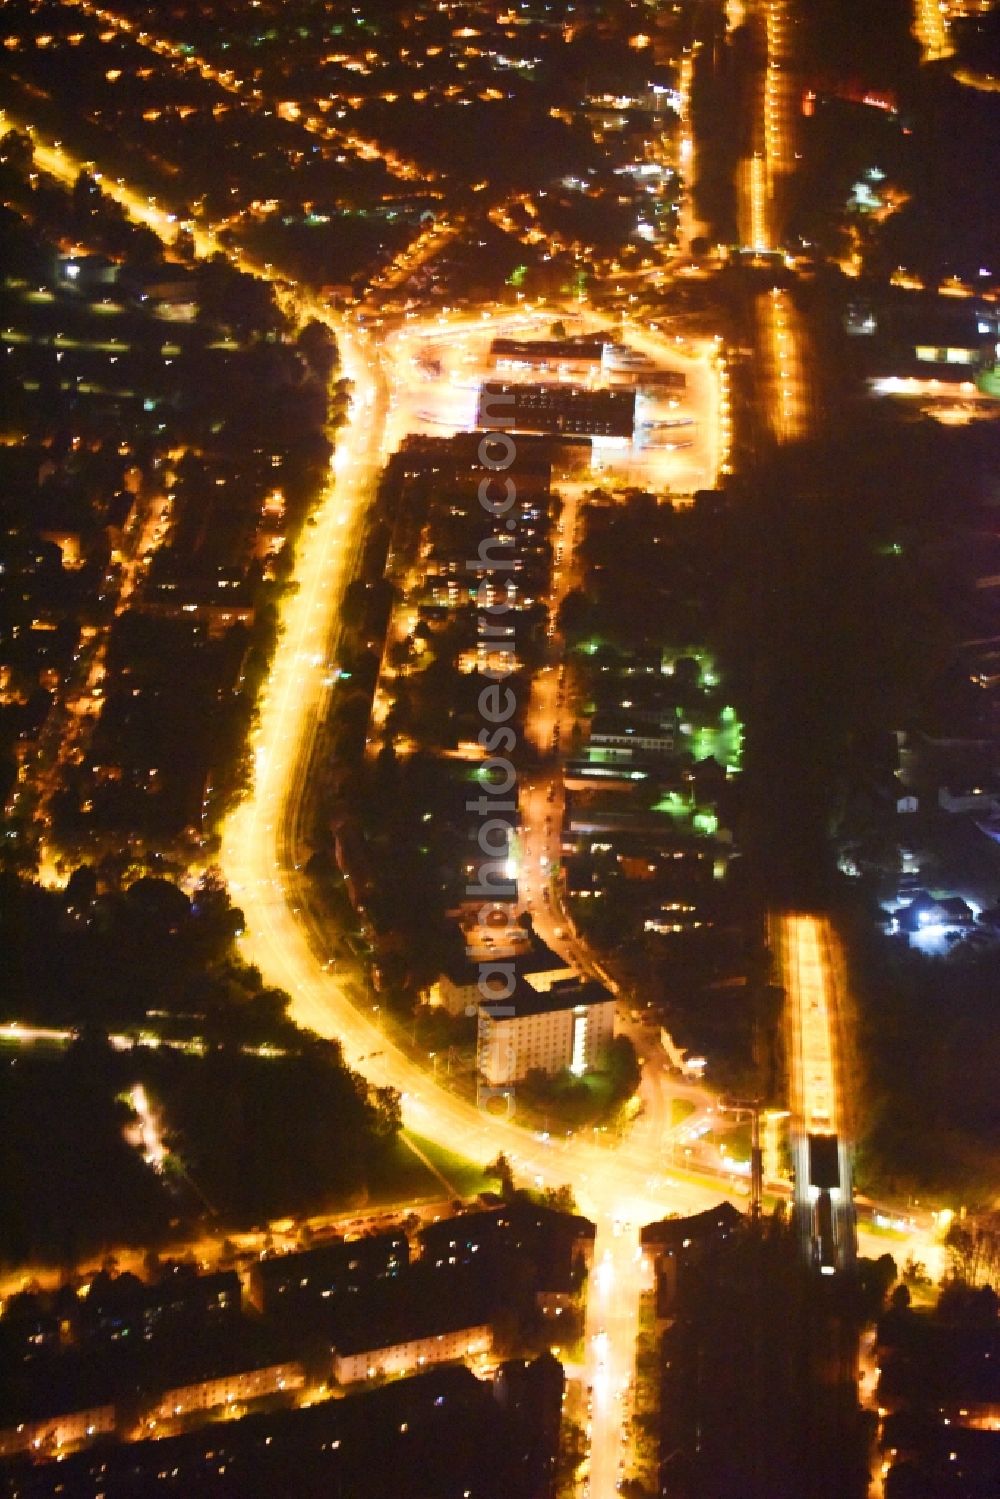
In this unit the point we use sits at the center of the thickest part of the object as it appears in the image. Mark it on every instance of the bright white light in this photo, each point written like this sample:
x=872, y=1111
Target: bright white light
x=579, y=1062
x=145, y=1133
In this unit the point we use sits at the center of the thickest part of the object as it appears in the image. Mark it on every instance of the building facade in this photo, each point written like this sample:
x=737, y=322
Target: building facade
x=351, y=1364
x=228, y=1389
x=56, y=1434
x=567, y=1026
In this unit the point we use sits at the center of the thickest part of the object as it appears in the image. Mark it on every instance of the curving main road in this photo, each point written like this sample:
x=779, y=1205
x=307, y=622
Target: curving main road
x=289, y=937
x=288, y=934
x=621, y=1184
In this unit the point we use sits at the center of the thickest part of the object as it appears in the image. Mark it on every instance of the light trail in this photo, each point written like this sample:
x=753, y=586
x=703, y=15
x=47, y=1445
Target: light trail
x=784, y=383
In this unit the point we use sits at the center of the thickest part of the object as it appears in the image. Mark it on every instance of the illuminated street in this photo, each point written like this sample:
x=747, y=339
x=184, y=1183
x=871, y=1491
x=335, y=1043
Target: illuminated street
x=242, y=657
x=759, y=182
x=612, y=1326
x=184, y=57
x=287, y=934
x=785, y=374
x=786, y=393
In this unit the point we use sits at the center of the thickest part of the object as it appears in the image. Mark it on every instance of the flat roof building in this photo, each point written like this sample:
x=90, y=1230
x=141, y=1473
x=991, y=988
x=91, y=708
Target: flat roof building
x=624, y=736
x=235, y=1388
x=569, y=409
x=552, y=355
x=295, y=1283
x=566, y=1026
x=465, y=981
x=674, y=1244
x=431, y=1314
